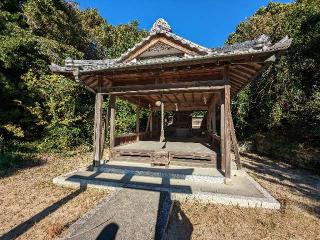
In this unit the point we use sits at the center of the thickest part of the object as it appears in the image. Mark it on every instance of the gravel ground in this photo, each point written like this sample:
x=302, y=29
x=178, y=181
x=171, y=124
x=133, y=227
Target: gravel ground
x=33, y=208
x=297, y=190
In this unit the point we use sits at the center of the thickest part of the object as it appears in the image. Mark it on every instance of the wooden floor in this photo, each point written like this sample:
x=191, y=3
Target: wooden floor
x=168, y=146
x=173, y=151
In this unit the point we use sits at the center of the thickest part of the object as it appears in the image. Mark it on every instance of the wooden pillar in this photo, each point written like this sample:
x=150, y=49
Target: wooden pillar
x=209, y=120
x=234, y=143
x=151, y=123
x=213, y=119
x=112, y=116
x=98, y=130
x=162, y=122
x=227, y=112
x=222, y=132
x=138, y=122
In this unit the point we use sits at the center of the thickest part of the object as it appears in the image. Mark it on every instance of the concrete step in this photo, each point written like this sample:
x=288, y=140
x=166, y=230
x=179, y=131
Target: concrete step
x=210, y=175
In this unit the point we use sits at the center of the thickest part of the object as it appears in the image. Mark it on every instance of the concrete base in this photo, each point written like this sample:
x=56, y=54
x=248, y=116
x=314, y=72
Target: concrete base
x=242, y=190
x=209, y=175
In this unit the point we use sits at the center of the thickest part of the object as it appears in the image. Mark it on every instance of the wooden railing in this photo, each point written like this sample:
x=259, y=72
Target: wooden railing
x=129, y=138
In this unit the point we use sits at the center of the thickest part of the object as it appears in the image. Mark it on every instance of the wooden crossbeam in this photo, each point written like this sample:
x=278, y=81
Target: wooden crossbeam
x=164, y=88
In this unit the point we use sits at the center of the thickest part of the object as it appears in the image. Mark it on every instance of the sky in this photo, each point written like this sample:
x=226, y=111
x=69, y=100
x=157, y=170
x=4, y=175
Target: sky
x=205, y=22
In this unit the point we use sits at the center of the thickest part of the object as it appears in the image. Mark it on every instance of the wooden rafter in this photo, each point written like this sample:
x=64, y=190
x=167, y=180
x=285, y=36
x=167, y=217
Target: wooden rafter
x=241, y=73
x=245, y=69
x=238, y=77
x=184, y=97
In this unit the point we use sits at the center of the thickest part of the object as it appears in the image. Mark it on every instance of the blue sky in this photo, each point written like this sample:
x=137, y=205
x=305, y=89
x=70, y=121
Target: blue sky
x=206, y=22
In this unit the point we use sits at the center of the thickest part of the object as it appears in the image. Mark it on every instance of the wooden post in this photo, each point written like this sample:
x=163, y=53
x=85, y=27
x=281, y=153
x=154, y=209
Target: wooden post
x=98, y=125
x=162, y=122
x=148, y=122
x=234, y=143
x=103, y=136
x=222, y=133
x=112, y=116
x=227, y=122
x=151, y=121
x=209, y=120
x=138, y=122
x=213, y=119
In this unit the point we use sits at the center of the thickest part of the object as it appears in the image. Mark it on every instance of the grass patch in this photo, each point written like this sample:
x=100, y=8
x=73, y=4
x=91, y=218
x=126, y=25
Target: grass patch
x=11, y=161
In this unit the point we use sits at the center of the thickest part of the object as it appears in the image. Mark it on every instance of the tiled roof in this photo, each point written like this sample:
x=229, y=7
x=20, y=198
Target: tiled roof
x=256, y=46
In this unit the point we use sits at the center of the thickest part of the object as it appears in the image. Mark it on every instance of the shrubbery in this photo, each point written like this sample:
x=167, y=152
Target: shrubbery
x=284, y=102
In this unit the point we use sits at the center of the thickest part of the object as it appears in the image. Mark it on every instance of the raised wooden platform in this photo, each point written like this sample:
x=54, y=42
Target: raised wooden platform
x=165, y=153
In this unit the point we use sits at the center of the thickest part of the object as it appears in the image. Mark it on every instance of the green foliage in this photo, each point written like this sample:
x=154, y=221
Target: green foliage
x=36, y=105
x=284, y=99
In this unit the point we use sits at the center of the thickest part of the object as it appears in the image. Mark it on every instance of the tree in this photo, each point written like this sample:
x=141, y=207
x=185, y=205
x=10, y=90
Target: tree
x=35, y=104
x=284, y=100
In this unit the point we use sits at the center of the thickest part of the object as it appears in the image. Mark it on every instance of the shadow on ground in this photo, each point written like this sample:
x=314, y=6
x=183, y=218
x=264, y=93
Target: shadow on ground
x=25, y=226
x=109, y=232
x=179, y=227
x=299, y=181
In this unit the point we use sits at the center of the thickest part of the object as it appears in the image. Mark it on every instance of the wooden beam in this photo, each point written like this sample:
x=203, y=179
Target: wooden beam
x=162, y=122
x=176, y=98
x=234, y=142
x=241, y=73
x=151, y=123
x=245, y=69
x=168, y=99
x=98, y=128
x=227, y=122
x=208, y=120
x=165, y=88
x=235, y=81
x=77, y=77
x=222, y=132
x=261, y=68
x=148, y=122
x=184, y=108
x=243, y=79
x=138, y=122
x=184, y=97
x=214, y=120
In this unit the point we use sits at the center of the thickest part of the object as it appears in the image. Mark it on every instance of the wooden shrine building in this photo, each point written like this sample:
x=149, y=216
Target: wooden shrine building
x=167, y=73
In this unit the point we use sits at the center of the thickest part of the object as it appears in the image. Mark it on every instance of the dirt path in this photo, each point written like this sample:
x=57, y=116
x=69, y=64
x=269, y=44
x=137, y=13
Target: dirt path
x=33, y=208
x=297, y=190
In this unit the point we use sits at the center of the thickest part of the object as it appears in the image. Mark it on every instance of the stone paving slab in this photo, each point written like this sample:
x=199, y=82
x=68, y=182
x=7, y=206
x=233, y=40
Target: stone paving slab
x=126, y=214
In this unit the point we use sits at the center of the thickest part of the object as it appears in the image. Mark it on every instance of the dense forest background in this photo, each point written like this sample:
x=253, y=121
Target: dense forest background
x=40, y=111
